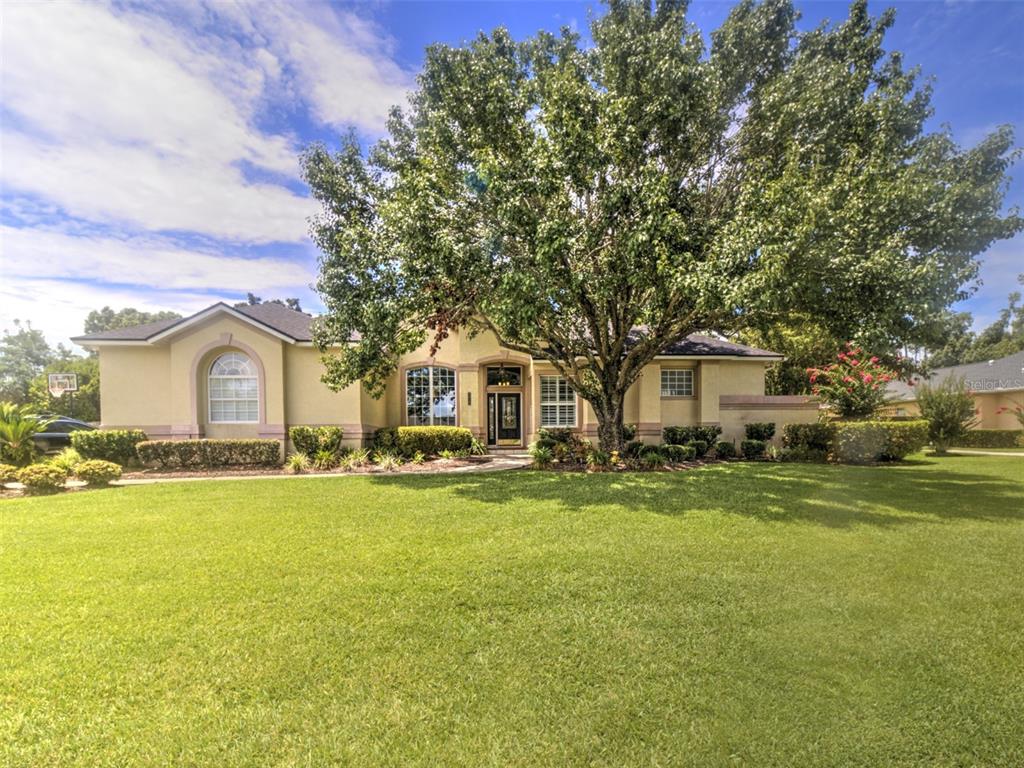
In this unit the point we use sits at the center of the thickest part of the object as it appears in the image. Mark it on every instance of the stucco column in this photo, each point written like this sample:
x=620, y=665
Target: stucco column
x=649, y=412
x=708, y=392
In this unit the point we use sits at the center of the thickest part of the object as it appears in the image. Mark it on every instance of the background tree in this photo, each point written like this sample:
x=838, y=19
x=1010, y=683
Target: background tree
x=86, y=403
x=959, y=345
x=252, y=299
x=591, y=206
x=107, y=319
x=23, y=355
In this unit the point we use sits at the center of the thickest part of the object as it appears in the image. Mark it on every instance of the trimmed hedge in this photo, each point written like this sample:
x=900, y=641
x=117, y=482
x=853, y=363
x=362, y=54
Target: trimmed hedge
x=858, y=442
x=753, y=449
x=724, y=450
x=208, y=454
x=814, y=437
x=760, y=430
x=8, y=473
x=116, y=445
x=991, y=438
x=700, y=448
x=558, y=434
x=312, y=440
x=678, y=453
x=42, y=478
x=97, y=471
x=689, y=434
x=429, y=441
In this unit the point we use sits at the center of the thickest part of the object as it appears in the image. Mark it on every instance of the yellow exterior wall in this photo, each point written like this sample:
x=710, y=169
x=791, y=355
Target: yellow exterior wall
x=162, y=387
x=986, y=404
x=135, y=384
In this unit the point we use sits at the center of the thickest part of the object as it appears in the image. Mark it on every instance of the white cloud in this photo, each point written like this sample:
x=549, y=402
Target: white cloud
x=150, y=262
x=67, y=305
x=147, y=117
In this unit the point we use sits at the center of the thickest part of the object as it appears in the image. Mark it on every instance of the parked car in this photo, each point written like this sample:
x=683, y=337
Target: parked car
x=57, y=435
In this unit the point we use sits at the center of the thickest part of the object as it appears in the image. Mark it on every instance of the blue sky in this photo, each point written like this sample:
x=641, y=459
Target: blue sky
x=148, y=151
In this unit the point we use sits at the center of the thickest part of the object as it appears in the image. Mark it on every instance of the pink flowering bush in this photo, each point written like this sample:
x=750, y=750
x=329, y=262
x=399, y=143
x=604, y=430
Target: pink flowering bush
x=854, y=385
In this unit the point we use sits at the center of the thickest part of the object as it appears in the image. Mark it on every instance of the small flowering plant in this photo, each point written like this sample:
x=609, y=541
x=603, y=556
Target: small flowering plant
x=854, y=386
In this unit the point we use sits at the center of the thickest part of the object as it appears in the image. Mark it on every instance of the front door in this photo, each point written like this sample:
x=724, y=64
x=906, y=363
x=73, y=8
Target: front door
x=504, y=418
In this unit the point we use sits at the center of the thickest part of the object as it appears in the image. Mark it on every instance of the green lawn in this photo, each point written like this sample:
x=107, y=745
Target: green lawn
x=743, y=614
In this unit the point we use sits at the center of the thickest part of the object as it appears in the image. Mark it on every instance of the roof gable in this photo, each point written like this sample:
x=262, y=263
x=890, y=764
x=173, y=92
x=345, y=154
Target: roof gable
x=275, y=319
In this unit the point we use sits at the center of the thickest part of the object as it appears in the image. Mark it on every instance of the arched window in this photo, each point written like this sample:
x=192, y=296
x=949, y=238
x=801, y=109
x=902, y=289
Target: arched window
x=430, y=396
x=234, y=390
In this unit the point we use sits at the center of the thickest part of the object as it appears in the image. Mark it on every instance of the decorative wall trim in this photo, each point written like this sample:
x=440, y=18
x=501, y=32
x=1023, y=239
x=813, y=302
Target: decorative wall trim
x=767, y=402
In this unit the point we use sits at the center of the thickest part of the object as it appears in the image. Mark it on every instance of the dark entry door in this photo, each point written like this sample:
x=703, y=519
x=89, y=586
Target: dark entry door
x=504, y=418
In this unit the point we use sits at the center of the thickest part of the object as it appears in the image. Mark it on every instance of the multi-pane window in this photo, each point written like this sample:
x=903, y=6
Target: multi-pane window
x=677, y=382
x=430, y=396
x=557, y=402
x=234, y=389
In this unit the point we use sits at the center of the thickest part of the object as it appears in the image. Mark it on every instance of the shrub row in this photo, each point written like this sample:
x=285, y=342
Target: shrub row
x=813, y=437
x=859, y=442
x=992, y=438
x=97, y=471
x=760, y=430
x=430, y=441
x=690, y=434
x=312, y=440
x=210, y=453
x=116, y=445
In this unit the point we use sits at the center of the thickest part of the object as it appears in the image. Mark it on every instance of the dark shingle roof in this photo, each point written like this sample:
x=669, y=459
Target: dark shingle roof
x=277, y=317
x=1004, y=374
x=698, y=344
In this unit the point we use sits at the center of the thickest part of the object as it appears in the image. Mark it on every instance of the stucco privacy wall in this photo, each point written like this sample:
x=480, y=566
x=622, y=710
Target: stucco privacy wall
x=987, y=406
x=739, y=410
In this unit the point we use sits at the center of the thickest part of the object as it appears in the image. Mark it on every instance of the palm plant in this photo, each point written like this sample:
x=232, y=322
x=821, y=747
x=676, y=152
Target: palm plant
x=18, y=428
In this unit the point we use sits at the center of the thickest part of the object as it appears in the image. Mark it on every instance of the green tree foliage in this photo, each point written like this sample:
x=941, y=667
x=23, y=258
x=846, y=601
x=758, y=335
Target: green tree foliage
x=591, y=205
x=1003, y=337
x=107, y=319
x=18, y=426
x=949, y=410
x=251, y=299
x=86, y=403
x=23, y=356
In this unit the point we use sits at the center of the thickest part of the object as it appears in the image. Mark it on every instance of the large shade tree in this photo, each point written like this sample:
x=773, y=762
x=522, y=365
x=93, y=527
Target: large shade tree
x=592, y=205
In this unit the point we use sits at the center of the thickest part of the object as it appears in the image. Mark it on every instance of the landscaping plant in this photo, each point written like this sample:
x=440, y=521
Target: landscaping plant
x=297, y=463
x=67, y=460
x=8, y=474
x=725, y=450
x=542, y=456
x=40, y=479
x=760, y=430
x=98, y=472
x=116, y=445
x=752, y=449
x=18, y=428
x=854, y=386
x=949, y=410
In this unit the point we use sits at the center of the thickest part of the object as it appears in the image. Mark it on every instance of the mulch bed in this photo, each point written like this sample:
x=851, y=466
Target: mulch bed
x=434, y=465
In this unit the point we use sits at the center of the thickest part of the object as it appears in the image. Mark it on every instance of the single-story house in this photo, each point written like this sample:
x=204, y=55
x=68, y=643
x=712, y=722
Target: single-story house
x=253, y=371
x=998, y=385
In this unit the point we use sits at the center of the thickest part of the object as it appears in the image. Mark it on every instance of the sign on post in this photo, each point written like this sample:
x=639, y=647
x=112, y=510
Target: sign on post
x=59, y=383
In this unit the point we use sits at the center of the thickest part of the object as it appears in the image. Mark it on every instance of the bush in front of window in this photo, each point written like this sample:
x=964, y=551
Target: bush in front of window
x=116, y=445
x=558, y=434
x=210, y=454
x=312, y=440
x=760, y=430
x=40, y=479
x=98, y=472
x=430, y=441
x=684, y=435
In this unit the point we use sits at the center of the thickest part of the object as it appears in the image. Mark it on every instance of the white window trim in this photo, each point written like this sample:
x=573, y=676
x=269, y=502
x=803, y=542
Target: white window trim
x=693, y=382
x=541, y=402
x=209, y=396
x=430, y=386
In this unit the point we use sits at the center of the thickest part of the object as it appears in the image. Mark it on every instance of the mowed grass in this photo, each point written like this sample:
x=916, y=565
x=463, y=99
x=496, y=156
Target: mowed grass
x=744, y=614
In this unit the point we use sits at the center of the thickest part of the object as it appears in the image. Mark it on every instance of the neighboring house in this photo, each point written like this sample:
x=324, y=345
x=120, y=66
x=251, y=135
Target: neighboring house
x=997, y=385
x=253, y=372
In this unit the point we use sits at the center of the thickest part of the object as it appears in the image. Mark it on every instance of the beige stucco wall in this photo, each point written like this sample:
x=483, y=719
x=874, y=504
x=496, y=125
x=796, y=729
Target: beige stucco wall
x=986, y=404
x=135, y=387
x=162, y=388
x=735, y=418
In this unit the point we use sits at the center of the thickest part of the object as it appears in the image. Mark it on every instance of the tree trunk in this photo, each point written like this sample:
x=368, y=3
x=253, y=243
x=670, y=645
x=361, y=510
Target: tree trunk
x=609, y=412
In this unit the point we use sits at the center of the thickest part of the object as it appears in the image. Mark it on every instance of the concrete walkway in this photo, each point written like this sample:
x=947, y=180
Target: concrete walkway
x=498, y=463
x=979, y=452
